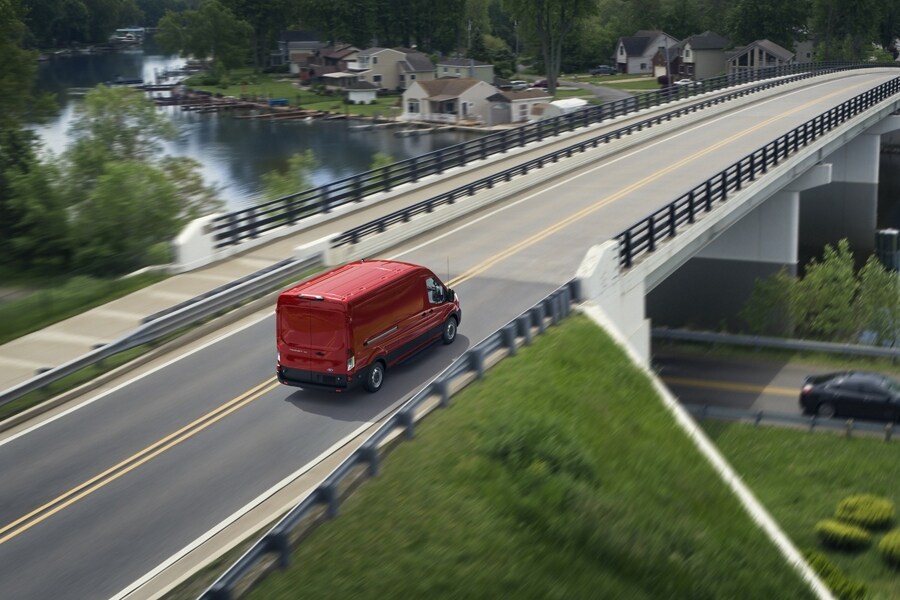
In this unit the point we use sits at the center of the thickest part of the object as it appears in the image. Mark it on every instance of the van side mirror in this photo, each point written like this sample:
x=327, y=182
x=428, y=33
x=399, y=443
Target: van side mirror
x=449, y=297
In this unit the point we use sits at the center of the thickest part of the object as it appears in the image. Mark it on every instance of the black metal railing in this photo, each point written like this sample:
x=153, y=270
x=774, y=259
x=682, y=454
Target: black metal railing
x=646, y=236
x=275, y=547
x=249, y=223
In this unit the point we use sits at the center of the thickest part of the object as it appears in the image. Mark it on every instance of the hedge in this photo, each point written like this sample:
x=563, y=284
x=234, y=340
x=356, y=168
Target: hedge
x=842, y=586
x=865, y=510
x=843, y=536
x=890, y=547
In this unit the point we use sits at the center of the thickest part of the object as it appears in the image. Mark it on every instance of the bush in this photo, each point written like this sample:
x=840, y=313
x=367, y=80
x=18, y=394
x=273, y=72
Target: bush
x=890, y=548
x=159, y=254
x=842, y=536
x=865, y=510
x=842, y=586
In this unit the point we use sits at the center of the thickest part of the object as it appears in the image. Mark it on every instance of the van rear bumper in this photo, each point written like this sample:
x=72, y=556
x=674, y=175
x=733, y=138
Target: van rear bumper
x=316, y=380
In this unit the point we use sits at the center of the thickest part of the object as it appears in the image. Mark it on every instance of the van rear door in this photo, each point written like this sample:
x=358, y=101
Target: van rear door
x=313, y=335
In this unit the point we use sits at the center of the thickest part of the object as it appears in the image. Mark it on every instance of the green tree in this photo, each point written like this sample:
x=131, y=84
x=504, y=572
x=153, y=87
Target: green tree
x=550, y=22
x=211, y=30
x=775, y=20
x=845, y=30
x=39, y=239
x=195, y=198
x=770, y=309
x=132, y=207
x=824, y=298
x=878, y=303
x=296, y=178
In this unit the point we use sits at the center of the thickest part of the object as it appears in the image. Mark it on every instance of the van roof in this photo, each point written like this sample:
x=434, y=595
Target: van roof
x=352, y=280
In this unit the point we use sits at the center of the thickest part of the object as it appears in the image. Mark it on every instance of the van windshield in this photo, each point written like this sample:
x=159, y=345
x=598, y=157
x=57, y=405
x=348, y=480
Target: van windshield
x=317, y=328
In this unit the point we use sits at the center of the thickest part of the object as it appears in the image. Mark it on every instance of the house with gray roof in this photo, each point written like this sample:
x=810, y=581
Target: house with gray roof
x=295, y=48
x=703, y=55
x=448, y=100
x=761, y=54
x=634, y=54
x=393, y=68
x=516, y=107
x=465, y=67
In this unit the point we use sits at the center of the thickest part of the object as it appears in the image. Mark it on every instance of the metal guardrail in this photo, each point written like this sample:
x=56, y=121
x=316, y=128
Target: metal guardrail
x=274, y=548
x=380, y=225
x=238, y=226
x=757, y=341
x=813, y=422
x=644, y=237
x=170, y=322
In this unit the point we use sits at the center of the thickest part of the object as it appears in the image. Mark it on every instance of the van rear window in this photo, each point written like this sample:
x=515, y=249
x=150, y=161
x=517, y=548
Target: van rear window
x=317, y=328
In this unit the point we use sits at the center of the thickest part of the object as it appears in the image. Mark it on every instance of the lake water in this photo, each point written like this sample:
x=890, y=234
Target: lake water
x=234, y=153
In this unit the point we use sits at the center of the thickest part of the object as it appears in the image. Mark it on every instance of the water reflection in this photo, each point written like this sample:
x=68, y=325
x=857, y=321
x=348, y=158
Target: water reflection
x=233, y=152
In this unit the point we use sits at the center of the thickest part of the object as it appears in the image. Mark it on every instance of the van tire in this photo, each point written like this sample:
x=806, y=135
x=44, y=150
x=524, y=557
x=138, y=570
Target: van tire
x=449, y=332
x=375, y=377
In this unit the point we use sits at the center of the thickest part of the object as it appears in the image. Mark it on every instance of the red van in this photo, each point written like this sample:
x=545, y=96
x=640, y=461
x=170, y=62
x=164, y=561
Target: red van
x=347, y=326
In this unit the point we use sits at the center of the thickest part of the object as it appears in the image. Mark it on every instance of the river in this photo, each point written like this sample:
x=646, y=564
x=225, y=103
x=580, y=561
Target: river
x=234, y=153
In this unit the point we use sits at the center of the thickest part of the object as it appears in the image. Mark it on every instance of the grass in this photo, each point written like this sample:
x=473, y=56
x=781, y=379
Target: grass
x=558, y=476
x=63, y=298
x=802, y=476
x=642, y=85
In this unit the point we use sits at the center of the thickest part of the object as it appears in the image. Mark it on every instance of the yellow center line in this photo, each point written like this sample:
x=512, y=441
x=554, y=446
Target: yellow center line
x=134, y=461
x=731, y=386
x=541, y=235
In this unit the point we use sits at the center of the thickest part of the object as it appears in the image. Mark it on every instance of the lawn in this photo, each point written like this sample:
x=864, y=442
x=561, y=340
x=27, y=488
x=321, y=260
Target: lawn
x=642, y=85
x=559, y=475
x=801, y=477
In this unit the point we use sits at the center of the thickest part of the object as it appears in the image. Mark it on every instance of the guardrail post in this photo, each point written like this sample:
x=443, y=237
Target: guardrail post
x=414, y=169
x=524, y=323
x=812, y=422
x=439, y=160
x=509, y=338
x=522, y=141
x=324, y=201
x=387, y=178
x=539, y=316
x=279, y=542
x=357, y=189
x=369, y=453
x=216, y=593
x=565, y=301
x=328, y=496
x=443, y=387
x=709, y=198
x=759, y=416
x=651, y=234
x=691, y=207
x=849, y=427
x=672, y=225
x=888, y=431
x=554, y=310
x=251, y=222
x=408, y=420
x=483, y=142
x=476, y=361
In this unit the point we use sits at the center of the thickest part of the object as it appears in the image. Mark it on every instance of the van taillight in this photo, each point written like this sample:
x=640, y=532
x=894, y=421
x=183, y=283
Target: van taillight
x=806, y=389
x=351, y=361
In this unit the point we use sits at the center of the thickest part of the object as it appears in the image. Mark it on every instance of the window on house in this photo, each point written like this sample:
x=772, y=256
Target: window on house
x=621, y=50
x=374, y=60
x=457, y=71
x=412, y=77
x=412, y=106
x=376, y=78
x=643, y=66
x=523, y=110
x=687, y=53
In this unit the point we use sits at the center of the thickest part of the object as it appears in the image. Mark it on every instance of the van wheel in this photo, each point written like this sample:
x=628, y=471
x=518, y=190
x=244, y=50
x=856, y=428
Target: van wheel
x=374, y=378
x=449, y=330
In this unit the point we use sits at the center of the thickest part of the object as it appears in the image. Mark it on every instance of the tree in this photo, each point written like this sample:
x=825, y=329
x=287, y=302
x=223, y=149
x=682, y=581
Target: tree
x=132, y=207
x=278, y=184
x=195, y=197
x=770, y=309
x=878, y=303
x=824, y=299
x=211, y=30
x=39, y=238
x=550, y=21
x=845, y=30
x=775, y=20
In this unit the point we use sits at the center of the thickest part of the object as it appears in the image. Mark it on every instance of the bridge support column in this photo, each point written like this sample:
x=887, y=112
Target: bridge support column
x=847, y=208
x=620, y=298
x=711, y=288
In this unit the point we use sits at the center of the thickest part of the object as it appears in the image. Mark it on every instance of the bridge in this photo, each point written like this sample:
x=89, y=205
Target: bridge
x=736, y=179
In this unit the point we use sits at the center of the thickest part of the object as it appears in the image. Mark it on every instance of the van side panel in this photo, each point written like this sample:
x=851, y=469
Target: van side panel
x=382, y=320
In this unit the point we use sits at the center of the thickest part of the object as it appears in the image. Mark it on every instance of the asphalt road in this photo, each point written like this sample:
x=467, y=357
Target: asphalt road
x=99, y=496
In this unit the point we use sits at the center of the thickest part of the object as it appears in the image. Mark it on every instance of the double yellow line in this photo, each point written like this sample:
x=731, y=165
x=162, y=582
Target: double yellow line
x=134, y=461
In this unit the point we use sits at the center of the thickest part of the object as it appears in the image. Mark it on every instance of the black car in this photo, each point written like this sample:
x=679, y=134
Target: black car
x=853, y=394
x=602, y=70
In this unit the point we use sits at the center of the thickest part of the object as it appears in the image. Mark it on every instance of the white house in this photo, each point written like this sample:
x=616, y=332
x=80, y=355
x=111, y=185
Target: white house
x=450, y=100
x=516, y=107
x=465, y=67
x=634, y=54
x=761, y=54
x=361, y=92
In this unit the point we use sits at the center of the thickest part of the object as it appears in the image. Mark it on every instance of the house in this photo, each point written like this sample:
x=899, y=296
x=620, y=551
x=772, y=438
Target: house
x=516, y=107
x=295, y=48
x=703, y=55
x=634, y=54
x=393, y=68
x=448, y=100
x=803, y=51
x=330, y=59
x=339, y=80
x=667, y=61
x=465, y=67
x=361, y=92
x=761, y=54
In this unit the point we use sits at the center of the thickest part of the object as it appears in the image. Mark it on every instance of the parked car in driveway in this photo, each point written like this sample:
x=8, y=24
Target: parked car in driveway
x=602, y=70
x=518, y=85
x=540, y=83
x=854, y=394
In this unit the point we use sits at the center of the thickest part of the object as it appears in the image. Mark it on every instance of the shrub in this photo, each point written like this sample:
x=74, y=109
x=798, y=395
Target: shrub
x=159, y=254
x=842, y=586
x=890, y=548
x=865, y=510
x=843, y=536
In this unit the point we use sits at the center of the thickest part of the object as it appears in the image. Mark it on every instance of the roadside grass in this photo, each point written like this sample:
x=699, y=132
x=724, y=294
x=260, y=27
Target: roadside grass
x=559, y=475
x=839, y=362
x=801, y=477
x=59, y=299
x=642, y=85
